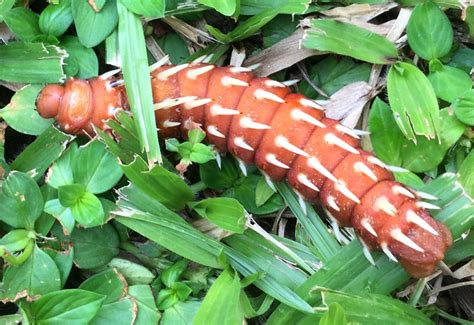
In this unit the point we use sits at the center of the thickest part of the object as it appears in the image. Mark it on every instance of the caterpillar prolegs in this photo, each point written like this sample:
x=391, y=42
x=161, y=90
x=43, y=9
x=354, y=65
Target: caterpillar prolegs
x=286, y=135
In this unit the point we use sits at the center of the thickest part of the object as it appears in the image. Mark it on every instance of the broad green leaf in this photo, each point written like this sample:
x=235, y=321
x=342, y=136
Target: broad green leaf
x=226, y=213
x=5, y=6
x=173, y=273
x=245, y=193
x=387, y=139
x=94, y=247
x=147, y=311
x=350, y=40
x=69, y=195
x=15, y=240
x=175, y=45
x=334, y=316
x=245, y=29
x=181, y=313
x=88, y=210
x=429, y=31
x=55, y=19
x=32, y=63
x=227, y=8
x=21, y=201
x=253, y=7
x=221, y=304
x=464, y=108
x=136, y=73
x=60, y=172
x=168, y=297
x=21, y=113
x=62, y=214
x=158, y=183
x=96, y=168
x=71, y=306
x=37, y=276
x=119, y=312
x=41, y=153
x=63, y=260
x=282, y=26
x=391, y=146
x=147, y=8
x=86, y=59
x=448, y=83
x=109, y=283
x=331, y=74
x=93, y=27
x=414, y=114
x=228, y=173
x=134, y=273
x=263, y=192
x=466, y=174
x=23, y=23
x=463, y=59
x=373, y=308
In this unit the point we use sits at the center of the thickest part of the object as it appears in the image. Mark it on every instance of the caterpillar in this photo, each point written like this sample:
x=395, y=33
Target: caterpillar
x=286, y=135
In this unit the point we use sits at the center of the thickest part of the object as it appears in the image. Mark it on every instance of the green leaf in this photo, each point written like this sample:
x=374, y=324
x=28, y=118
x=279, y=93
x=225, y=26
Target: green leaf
x=15, y=240
x=429, y=31
x=63, y=260
x=175, y=45
x=60, y=172
x=32, y=63
x=96, y=168
x=173, y=273
x=373, y=308
x=334, y=316
x=88, y=210
x=253, y=7
x=147, y=8
x=94, y=247
x=5, y=6
x=228, y=173
x=279, y=28
x=37, y=276
x=245, y=194
x=245, y=29
x=70, y=195
x=136, y=74
x=93, y=27
x=88, y=64
x=41, y=153
x=221, y=304
x=147, y=311
x=263, y=192
x=21, y=202
x=23, y=23
x=181, y=313
x=464, y=108
x=109, y=283
x=448, y=83
x=226, y=213
x=350, y=40
x=332, y=74
x=227, y=8
x=413, y=113
x=387, y=139
x=55, y=19
x=134, y=273
x=463, y=59
x=62, y=214
x=160, y=184
x=66, y=307
x=119, y=312
x=391, y=146
x=466, y=174
x=21, y=113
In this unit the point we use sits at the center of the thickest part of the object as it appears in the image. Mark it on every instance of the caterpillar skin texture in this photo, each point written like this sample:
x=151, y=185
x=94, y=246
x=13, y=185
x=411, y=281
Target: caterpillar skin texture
x=286, y=135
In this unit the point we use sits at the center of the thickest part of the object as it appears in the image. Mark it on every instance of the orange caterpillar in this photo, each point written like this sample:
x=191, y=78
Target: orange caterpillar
x=287, y=136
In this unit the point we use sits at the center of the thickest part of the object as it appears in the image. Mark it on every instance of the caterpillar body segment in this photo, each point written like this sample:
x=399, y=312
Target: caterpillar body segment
x=286, y=135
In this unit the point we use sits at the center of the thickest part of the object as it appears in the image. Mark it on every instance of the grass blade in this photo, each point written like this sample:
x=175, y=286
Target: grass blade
x=136, y=74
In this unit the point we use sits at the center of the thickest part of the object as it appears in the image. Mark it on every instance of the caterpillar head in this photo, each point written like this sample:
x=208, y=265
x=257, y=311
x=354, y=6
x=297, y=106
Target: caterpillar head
x=80, y=104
